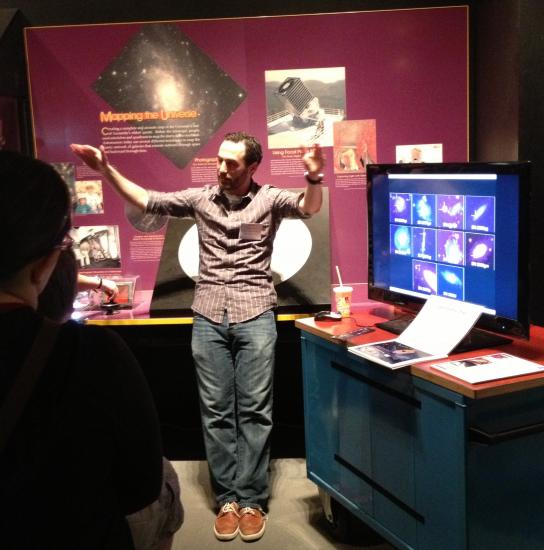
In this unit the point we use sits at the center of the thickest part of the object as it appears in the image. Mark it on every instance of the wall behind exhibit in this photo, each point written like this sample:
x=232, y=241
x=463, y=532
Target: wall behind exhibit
x=160, y=96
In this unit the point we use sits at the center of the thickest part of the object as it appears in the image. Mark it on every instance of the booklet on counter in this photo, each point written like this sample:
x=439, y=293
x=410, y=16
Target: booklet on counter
x=439, y=326
x=488, y=367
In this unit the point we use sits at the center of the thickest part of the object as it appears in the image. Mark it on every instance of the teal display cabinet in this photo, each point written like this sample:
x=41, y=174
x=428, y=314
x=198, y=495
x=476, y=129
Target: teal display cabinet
x=426, y=461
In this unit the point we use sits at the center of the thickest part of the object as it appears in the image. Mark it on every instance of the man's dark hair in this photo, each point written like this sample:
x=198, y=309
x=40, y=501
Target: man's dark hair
x=254, y=151
x=35, y=211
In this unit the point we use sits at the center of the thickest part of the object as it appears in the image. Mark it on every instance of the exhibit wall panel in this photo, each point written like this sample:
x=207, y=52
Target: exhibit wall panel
x=380, y=86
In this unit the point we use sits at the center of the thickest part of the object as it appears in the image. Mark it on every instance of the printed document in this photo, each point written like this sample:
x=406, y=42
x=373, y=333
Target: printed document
x=488, y=367
x=439, y=326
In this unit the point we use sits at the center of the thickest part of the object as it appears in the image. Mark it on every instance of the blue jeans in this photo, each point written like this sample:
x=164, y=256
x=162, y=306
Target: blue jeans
x=234, y=368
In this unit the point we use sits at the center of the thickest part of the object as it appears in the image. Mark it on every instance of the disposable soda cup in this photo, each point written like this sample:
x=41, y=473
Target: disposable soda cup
x=342, y=295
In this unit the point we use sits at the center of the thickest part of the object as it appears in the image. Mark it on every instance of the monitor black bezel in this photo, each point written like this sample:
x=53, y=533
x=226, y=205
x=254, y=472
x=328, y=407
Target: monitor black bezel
x=518, y=327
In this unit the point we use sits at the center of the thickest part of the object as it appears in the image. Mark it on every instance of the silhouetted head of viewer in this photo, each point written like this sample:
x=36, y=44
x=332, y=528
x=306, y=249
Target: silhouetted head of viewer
x=56, y=300
x=34, y=226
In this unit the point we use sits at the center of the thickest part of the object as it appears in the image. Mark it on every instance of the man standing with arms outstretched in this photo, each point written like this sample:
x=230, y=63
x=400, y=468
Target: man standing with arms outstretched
x=234, y=330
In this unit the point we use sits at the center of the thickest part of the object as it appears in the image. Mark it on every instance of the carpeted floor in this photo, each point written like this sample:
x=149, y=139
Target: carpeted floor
x=296, y=520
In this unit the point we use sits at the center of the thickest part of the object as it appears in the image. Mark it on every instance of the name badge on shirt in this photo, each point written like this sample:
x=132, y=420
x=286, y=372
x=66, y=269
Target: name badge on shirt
x=251, y=231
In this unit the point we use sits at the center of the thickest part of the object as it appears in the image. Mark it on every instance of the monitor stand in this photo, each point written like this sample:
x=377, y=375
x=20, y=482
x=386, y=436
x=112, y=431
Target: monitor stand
x=475, y=339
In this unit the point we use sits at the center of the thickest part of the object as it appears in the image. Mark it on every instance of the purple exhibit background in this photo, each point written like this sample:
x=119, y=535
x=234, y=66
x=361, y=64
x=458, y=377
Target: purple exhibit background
x=405, y=69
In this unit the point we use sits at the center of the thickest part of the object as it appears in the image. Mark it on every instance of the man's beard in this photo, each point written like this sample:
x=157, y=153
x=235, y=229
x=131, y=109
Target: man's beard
x=232, y=184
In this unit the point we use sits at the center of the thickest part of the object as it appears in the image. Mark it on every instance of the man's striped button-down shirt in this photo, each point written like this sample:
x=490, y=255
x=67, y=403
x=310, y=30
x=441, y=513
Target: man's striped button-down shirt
x=235, y=245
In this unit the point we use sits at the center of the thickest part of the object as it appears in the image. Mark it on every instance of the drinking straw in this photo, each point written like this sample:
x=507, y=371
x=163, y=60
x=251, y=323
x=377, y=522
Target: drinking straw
x=339, y=277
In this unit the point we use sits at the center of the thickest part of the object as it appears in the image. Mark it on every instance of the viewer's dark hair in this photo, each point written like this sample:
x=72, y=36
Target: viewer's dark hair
x=35, y=211
x=57, y=298
x=254, y=151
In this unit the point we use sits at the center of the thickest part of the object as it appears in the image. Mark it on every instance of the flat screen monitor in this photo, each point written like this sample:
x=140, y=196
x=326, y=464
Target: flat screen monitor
x=458, y=230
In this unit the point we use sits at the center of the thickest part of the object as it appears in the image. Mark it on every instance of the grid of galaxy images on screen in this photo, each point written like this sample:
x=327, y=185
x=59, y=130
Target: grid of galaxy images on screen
x=443, y=235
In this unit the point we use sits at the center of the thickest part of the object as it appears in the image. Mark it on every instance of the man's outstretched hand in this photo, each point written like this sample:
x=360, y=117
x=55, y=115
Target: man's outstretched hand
x=314, y=160
x=94, y=158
